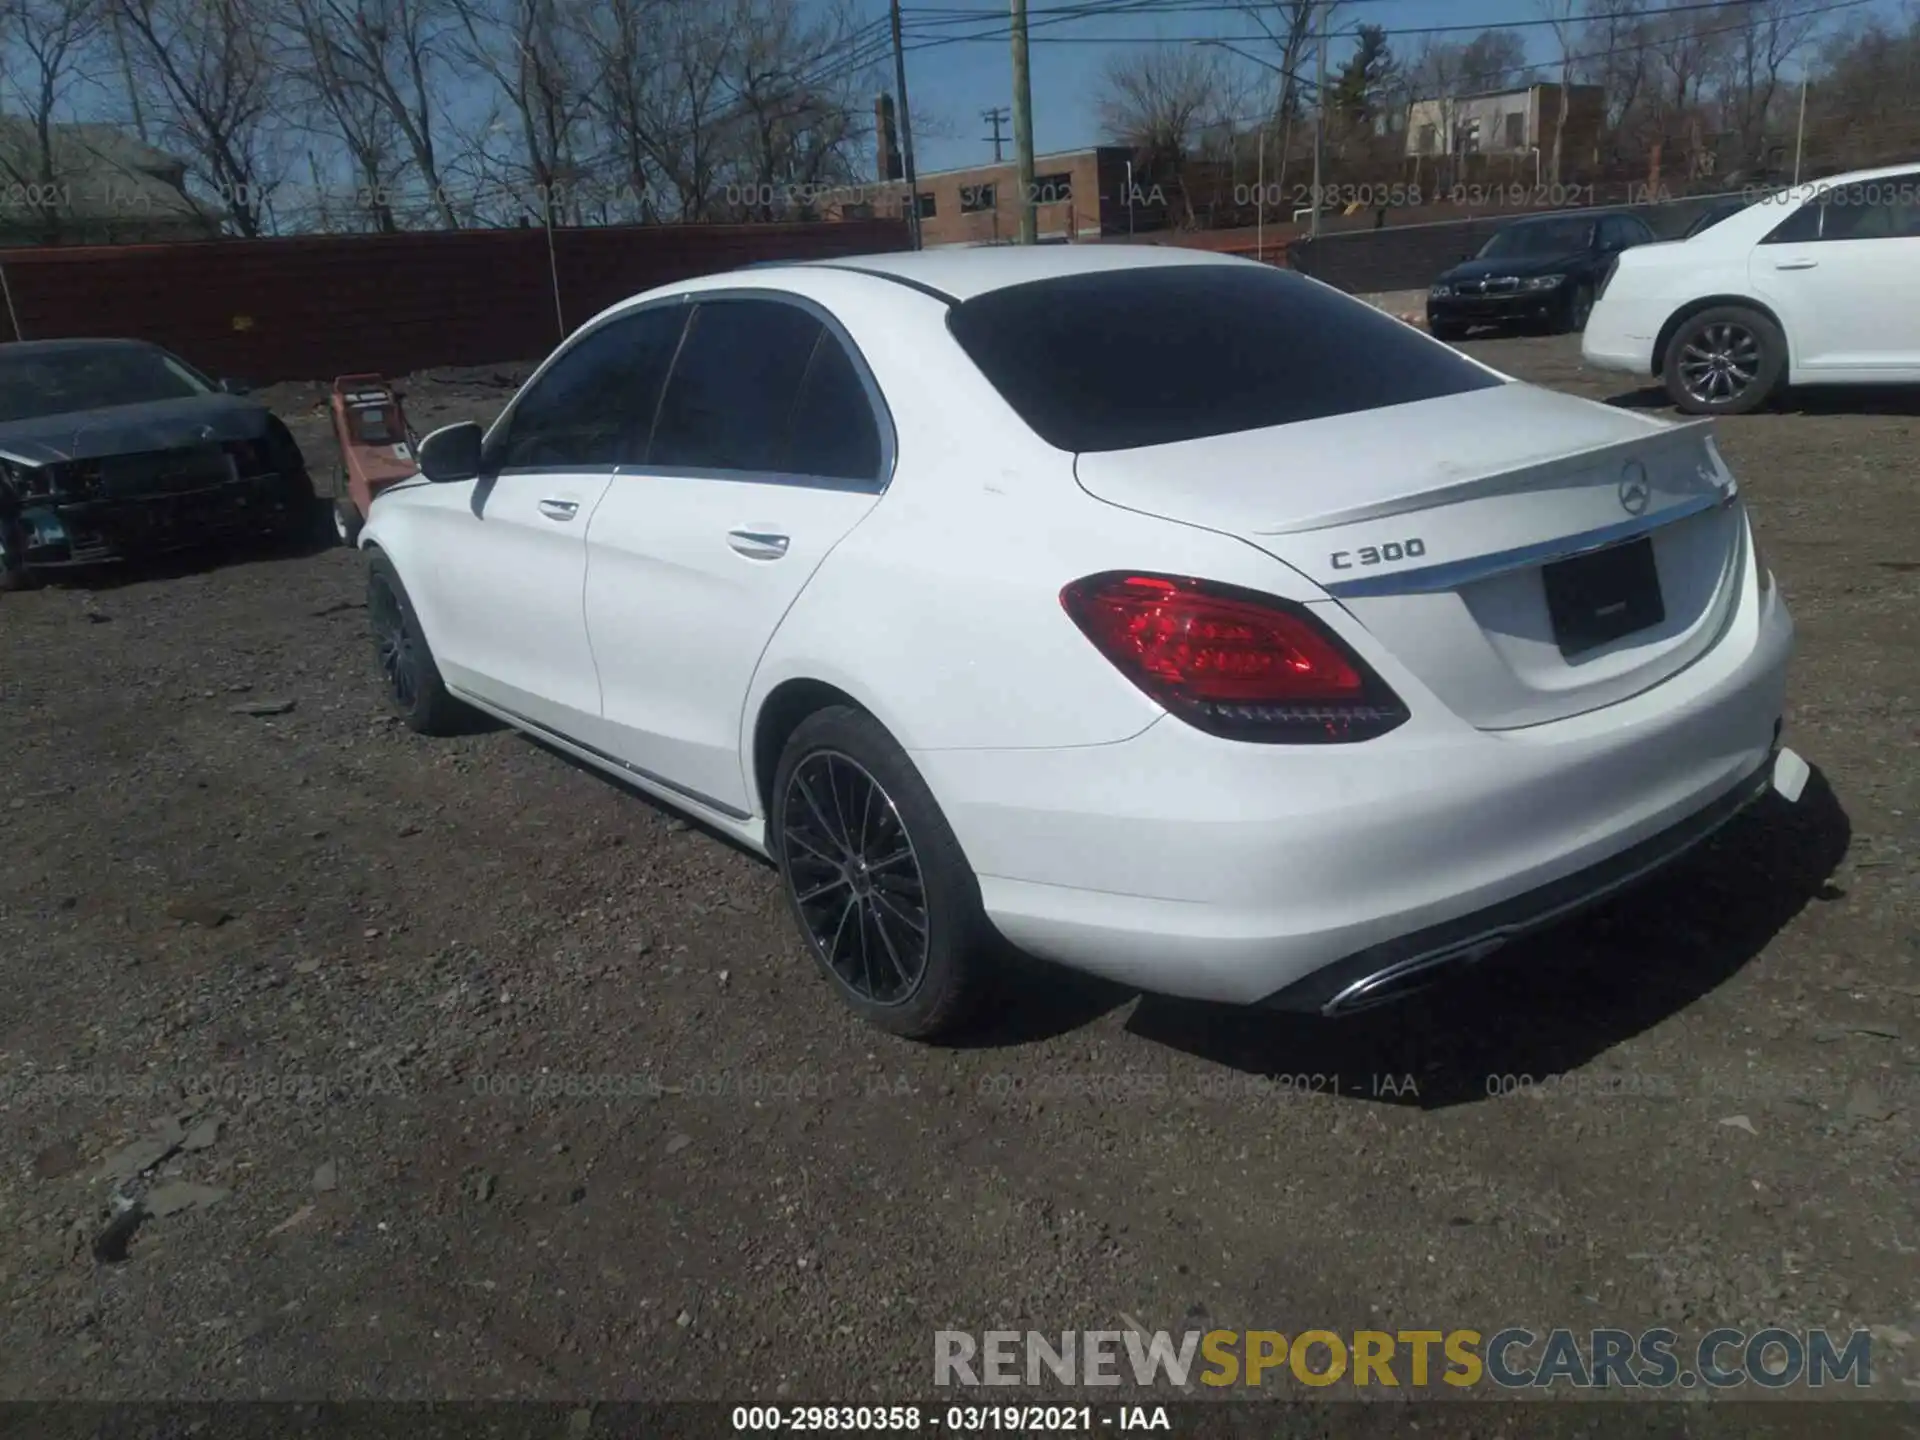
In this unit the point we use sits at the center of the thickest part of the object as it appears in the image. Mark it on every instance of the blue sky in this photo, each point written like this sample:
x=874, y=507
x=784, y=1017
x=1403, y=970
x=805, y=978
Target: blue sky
x=949, y=85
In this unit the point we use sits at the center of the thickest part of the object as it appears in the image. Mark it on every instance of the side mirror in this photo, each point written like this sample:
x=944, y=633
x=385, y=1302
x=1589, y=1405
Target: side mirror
x=230, y=386
x=451, y=453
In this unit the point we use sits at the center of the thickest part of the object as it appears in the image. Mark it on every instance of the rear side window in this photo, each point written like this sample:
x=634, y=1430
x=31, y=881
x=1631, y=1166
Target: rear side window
x=592, y=407
x=731, y=398
x=1127, y=358
x=834, y=433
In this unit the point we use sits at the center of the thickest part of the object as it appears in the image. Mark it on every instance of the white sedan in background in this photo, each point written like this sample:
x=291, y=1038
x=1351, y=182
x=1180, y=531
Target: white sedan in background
x=1814, y=285
x=1169, y=616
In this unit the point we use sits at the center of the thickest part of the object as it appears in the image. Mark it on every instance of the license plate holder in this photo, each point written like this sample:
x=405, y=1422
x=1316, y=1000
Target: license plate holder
x=1597, y=598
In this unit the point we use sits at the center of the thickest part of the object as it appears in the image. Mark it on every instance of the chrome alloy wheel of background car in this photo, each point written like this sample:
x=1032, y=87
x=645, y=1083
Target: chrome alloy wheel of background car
x=855, y=877
x=1720, y=362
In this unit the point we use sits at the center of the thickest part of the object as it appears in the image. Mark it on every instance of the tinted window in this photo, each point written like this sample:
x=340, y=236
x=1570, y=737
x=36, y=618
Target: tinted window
x=1799, y=227
x=593, y=405
x=1124, y=358
x=834, y=432
x=1540, y=237
x=1886, y=209
x=1623, y=232
x=1710, y=218
x=733, y=389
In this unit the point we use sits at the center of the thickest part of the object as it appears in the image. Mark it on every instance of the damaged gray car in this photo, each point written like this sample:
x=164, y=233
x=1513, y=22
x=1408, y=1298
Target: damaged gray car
x=116, y=449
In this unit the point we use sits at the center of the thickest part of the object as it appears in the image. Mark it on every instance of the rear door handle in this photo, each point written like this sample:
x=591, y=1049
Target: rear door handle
x=758, y=544
x=1795, y=264
x=559, y=509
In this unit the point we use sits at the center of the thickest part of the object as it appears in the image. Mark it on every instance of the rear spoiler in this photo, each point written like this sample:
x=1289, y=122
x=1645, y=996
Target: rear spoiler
x=1699, y=435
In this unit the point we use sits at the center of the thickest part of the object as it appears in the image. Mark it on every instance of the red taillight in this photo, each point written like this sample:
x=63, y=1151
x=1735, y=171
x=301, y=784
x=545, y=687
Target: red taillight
x=1232, y=662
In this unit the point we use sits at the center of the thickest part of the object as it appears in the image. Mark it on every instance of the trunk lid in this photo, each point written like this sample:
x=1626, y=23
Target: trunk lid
x=1452, y=530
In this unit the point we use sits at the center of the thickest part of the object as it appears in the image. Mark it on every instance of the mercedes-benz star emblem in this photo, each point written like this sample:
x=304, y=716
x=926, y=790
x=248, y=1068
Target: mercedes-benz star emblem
x=1634, y=490
x=206, y=432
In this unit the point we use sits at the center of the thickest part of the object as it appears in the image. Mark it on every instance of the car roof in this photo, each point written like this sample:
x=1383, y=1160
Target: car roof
x=961, y=272
x=1853, y=177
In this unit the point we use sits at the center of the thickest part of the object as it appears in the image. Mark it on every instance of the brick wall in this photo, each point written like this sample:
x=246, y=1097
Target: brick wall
x=312, y=307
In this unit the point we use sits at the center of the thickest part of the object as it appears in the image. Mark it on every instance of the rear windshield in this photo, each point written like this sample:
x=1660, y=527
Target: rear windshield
x=1119, y=359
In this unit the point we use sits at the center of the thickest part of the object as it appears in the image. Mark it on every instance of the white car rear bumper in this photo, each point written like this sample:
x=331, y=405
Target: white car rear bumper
x=1619, y=336
x=1186, y=865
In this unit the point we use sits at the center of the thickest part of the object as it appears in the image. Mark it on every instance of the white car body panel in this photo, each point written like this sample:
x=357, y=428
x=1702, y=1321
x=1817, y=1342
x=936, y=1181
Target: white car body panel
x=501, y=597
x=1850, y=309
x=680, y=604
x=1106, y=833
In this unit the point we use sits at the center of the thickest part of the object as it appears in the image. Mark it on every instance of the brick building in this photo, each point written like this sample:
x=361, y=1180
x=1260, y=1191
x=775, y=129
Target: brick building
x=1077, y=195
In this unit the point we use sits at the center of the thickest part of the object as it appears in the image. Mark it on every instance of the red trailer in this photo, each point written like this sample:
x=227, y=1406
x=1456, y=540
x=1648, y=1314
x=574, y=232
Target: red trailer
x=376, y=448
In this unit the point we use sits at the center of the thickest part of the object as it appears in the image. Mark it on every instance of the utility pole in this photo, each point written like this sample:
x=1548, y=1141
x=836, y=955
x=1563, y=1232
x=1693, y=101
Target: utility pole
x=906, y=130
x=1800, y=131
x=1022, y=125
x=996, y=117
x=1319, y=120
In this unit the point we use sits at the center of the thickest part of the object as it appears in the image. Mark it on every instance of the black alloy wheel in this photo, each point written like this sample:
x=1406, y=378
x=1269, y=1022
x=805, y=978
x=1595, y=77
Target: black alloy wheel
x=393, y=644
x=409, y=675
x=876, y=880
x=856, y=878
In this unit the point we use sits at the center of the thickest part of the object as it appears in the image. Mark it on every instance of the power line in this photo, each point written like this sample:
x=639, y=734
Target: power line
x=1654, y=44
x=1067, y=13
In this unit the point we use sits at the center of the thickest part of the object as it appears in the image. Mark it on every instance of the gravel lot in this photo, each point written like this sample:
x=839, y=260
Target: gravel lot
x=326, y=952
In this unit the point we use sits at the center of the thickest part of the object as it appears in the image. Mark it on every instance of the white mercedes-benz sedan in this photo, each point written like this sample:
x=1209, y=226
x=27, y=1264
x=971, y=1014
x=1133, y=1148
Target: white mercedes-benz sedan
x=1169, y=616
x=1816, y=284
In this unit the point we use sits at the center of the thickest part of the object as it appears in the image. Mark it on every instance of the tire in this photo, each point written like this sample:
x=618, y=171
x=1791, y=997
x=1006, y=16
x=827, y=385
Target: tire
x=1734, y=342
x=14, y=574
x=921, y=979
x=1579, y=307
x=298, y=522
x=410, y=679
x=1447, y=330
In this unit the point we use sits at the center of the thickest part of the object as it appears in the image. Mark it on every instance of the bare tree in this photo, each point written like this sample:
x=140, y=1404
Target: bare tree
x=1685, y=44
x=795, y=132
x=688, y=115
x=1560, y=14
x=1864, y=108
x=375, y=70
x=1494, y=60
x=1293, y=27
x=211, y=77
x=529, y=50
x=1158, y=101
x=1772, y=35
x=44, y=46
x=1615, y=46
x=621, y=41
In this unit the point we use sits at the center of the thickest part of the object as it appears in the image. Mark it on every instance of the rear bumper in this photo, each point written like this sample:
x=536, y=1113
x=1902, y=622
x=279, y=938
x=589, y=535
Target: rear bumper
x=1619, y=336
x=60, y=533
x=1184, y=865
x=1387, y=972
